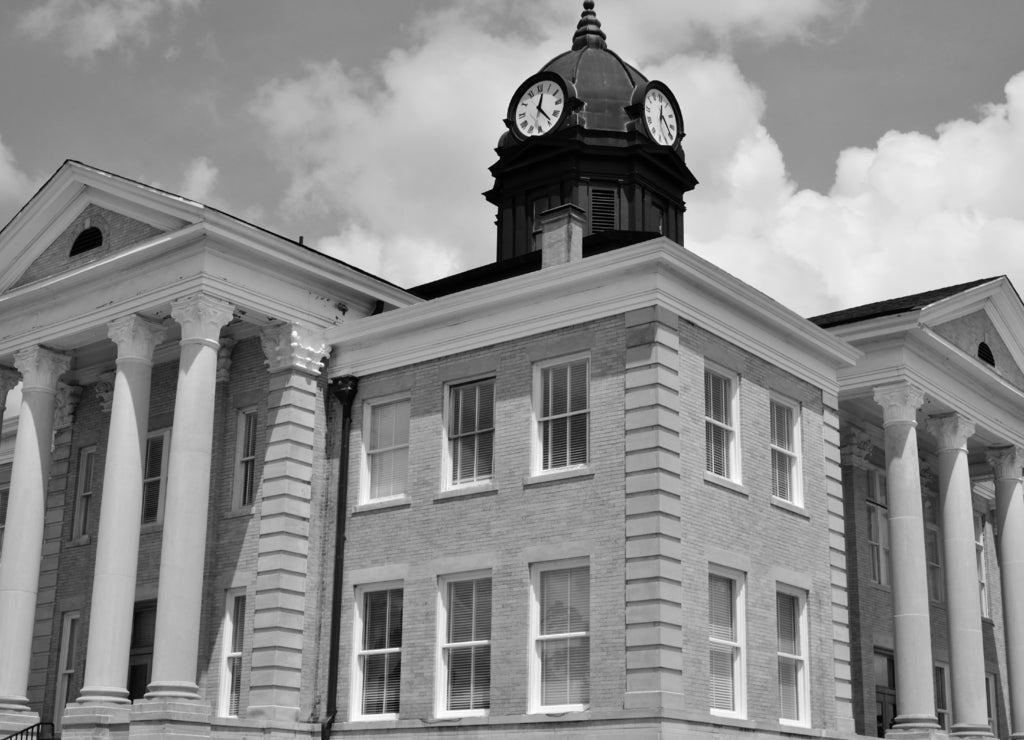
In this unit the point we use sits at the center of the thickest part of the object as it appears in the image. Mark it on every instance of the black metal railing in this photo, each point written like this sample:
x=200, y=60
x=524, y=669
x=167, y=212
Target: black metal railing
x=39, y=731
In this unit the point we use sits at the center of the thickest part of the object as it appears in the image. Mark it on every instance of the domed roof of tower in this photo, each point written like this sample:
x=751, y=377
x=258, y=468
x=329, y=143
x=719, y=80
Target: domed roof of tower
x=602, y=80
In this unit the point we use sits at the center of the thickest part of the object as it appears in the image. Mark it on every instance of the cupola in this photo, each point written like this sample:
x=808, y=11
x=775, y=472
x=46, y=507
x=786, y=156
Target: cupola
x=591, y=130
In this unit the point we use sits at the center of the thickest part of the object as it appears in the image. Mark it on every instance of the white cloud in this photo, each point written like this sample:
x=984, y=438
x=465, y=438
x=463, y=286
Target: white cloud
x=90, y=26
x=15, y=185
x=199, y=180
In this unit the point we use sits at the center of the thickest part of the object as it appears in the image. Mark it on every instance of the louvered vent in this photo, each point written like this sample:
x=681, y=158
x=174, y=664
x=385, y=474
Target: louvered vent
x=88, y=239
x=985, y=354
x=602, y=210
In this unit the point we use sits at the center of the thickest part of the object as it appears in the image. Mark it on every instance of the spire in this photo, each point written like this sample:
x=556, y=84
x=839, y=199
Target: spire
x=588, y=30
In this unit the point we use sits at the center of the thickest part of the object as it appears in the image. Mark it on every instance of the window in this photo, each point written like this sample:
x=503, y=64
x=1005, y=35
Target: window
x=991, y=701
x=466, y=645
x=387, y=449
x=140, y=657
x=90, y=238
x=560, y=624
x=471, y=432
x=5, y=492
x=785, y=445
x=791, y=618
x=154, y=479
x=231, y=671
x=726, y=633
x=985, y=354
x=66, y=667
x=979, y=547
x=885, y=692
x=878, y=527
x=563, y=413
x=603, y=207
x=245, y=456
x=933, y=548
x=83, y=493
x=720, y=424
x=941, y=683
x=379, y=653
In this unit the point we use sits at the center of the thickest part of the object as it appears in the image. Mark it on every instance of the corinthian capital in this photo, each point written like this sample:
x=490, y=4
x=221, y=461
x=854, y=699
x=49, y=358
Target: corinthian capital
x=135, y=337
x=294, y=347
x=40, y=368
x=1006, y=462
x=201, y=317
x=951, y=431
x=9, y=377
x=899, y=402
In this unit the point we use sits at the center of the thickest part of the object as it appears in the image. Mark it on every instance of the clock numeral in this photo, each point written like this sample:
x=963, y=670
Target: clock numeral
x=529, y=130
x=522, y=114
x=556, y=112
x=540, y=88
x=558, y=100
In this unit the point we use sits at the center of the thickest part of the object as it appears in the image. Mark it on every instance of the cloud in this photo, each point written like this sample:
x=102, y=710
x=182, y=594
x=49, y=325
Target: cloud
x=15, y=185
x=199, y=180
x=87, y=27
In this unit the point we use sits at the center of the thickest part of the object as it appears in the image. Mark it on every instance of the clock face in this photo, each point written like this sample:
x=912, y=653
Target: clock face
x=660, y=117
x=539, y=108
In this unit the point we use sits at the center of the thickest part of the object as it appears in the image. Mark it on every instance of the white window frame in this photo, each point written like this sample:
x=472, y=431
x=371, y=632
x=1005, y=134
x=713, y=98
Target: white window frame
x=443, y=645
x=738, y=644
x=70, y=634
x=366, y=485
x=232, y=649
x=83, y=491
x=936, y=569
x=940, y=681
x=359, y=652
x=992, y=702
x=735, y=467
x=535, y=670
x=792, y=455
x=243, y=458
x=801, y=658
x=539, y=368
x=980, y=526
x=877, y=506
x=450, y=392
x=165, y=456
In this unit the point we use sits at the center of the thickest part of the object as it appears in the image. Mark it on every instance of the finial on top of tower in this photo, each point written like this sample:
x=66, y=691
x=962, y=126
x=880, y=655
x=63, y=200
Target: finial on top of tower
x=588, y=30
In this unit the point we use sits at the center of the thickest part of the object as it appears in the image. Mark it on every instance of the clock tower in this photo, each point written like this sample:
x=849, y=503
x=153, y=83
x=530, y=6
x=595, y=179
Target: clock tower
x=591, y=130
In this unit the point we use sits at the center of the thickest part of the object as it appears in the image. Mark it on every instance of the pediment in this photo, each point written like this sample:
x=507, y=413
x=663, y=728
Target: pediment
x=969, y=333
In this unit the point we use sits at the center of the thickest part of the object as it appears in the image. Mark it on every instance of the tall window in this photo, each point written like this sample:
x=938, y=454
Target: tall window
x=720, y=424
x=380, y=653
x=785, y=445
x=5, y=490
x=991, y=701
x=563, y=414
x=83, y=492
x=726, y=633
x=933, y=548
x=245, y=456
x=878, y=527
x=231, y=672
x=154, y=480
x=66, y=666
x=792, y=630
x=941, y=684
x=979, y=548
x=140, y=658
x=466, y=645
x=561, y=629
x=471, y=431
x=885, y=692
x=387, y=449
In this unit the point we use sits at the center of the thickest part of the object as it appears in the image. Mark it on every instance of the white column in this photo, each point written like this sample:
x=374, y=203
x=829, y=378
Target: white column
x=911, y=627
x=117, y=548
x=183, y=550
x=1007, y=463
x=23, y=534
x=963, y=605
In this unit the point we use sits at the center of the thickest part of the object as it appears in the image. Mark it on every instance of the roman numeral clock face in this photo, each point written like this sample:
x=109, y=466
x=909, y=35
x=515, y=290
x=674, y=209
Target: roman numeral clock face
x=660, y=117
x=539, y=108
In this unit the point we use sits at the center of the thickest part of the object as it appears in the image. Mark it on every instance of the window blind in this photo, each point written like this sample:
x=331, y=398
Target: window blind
x=471, y=431
x=468, y=650
x=382, y=657
x=152, y=479
x=564, y=636
x=564, y=414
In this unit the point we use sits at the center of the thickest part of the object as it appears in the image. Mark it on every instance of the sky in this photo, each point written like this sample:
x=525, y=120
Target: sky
x=847, y=150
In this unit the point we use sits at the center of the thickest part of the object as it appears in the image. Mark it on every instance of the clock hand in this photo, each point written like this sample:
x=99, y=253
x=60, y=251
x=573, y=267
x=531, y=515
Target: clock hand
x=540, y=107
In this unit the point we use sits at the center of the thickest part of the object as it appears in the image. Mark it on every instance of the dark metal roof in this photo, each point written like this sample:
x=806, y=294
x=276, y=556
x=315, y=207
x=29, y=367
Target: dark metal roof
x=893, y=306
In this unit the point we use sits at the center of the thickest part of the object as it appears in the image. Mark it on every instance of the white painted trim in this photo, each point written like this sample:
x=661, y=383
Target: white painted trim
x=441, y=673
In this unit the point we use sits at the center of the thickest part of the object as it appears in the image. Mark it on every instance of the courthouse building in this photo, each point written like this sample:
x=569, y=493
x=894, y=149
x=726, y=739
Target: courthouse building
x=596, y=488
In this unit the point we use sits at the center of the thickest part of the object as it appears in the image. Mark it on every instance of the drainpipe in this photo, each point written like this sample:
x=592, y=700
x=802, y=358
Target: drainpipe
x=344, y=391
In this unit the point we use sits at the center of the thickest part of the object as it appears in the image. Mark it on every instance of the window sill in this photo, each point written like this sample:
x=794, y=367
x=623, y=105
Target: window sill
x=487, y=488
x=80, y=541
x=241, y=511
x=795, y=509
x=401, y=502
x=149, y=527
x=557, y=475
x=729, y=485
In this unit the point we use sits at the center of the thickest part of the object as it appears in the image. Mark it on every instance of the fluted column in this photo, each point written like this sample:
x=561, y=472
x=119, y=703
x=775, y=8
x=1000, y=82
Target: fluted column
x=183, y=551
x=963, y=606
x=911, y=628
x=23, y=534
x=1007, y=463
x=117, y=550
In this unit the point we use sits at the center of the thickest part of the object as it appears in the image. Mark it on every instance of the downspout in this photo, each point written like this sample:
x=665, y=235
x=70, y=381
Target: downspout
x=344, y=391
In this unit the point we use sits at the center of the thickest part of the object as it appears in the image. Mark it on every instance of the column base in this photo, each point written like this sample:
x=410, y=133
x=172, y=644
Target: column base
x=169, y=719
x=103, y=695
x=913, y=727
x=173, y=690
x=100, y=721
x=970, y=731
x=17, y=718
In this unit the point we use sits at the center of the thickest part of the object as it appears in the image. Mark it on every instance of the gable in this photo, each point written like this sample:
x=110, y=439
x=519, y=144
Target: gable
x=119, y=232
x=969, y=331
